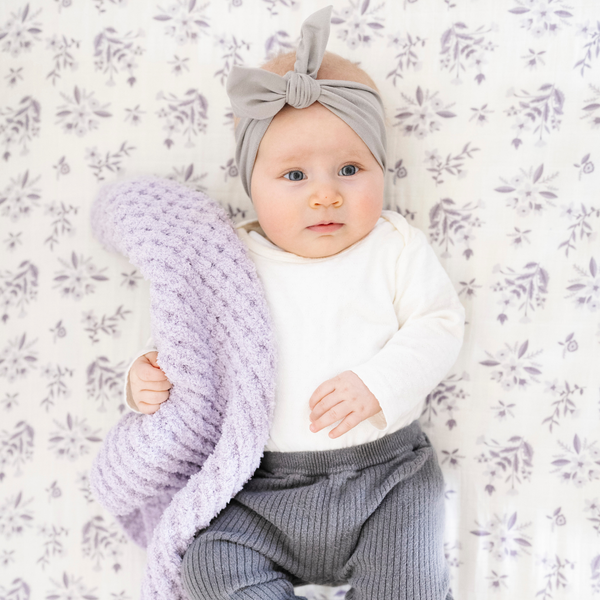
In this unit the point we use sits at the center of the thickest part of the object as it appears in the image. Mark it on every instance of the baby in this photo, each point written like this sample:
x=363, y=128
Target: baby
x=367, y=323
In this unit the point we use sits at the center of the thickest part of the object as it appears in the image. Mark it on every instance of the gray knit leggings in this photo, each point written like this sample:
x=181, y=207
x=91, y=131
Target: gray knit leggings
x=369, y=515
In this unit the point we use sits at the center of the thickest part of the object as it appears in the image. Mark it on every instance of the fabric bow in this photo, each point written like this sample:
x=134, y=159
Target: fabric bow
x=257, y=96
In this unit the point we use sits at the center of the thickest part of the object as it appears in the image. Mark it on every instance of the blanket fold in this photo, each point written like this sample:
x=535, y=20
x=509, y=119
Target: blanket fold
x=167, y=475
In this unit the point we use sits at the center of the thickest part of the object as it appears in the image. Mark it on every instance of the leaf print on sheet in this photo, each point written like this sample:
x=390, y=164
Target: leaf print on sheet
x=399, y=171
x=272, y=4
x=450, y=224
x=578, y=464
x=591, y=47
x=61, y=224
x=591, y=110
x=16, y=448
x=131, y=280
x=580, y=218
x=407, y=57
x=418, y=115
x=52, y=543
x=105, y=381
x=187, y=116
x=444, y=399
x=555, y=577
x=542, y=16
x=586, y=289
x=17, y=358
x=230, y=47
x=18, y=289
x=110, y=162
x=14, y=76
x=468, y=289
x=451, y=165
x=62, y=167
x=56, y=387
x=463, y=50
x=502, y=538
x=107, y=325
x=70, y=588
x=9, y=401
x=533, y=59
x=62, y=58
x=103, y=540
x=100, y=4
x=19, y=197
x=78, y=113
x=20, y=31
x=20, y=125
x=362, y=23
x=71, y=439
x=519, y=237
x=186, y=176
x=277, y=43
x=593, y=506
x=16, y=516
x=185, y=21
x=508, y=462
x=76, y=276
x=528, y=191
x=19, y=589
x=563, y=395
x=537, y=113
x=570, y=344
x=480, y=115
x=523, y=289
x=114, y=52
x=503, y=410
x=586, y=167
x=58, y=330
x=517, y=369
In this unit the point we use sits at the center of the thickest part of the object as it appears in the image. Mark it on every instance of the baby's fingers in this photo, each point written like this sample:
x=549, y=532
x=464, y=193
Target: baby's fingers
x=146, y=372
x=150, y=397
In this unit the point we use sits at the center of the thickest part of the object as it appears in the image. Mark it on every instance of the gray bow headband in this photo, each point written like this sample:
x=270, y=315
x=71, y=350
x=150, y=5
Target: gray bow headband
x=257, y=96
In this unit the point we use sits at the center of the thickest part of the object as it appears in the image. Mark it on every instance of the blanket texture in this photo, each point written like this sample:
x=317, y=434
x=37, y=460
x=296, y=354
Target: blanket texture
x=165, y=476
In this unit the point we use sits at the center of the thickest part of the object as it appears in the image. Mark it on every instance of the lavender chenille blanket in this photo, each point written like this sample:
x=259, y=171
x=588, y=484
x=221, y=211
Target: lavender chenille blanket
x=165, y=476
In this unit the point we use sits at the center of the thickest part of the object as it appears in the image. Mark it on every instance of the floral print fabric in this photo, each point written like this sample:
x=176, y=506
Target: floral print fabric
x=493, y=113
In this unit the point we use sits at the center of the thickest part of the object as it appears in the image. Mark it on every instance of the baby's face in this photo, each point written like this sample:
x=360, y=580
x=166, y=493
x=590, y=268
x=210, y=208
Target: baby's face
x=312, y=168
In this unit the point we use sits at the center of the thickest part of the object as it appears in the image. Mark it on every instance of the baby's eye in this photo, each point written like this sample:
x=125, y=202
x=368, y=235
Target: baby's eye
x=295, y=175
x=349, y=170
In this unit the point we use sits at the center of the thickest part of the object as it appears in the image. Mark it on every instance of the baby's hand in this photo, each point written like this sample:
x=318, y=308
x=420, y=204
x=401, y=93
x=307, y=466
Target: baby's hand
x=149, y=385
x=343, y=396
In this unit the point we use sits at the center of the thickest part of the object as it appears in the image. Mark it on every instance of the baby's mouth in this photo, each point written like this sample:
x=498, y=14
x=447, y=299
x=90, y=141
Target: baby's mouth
x=325, y=227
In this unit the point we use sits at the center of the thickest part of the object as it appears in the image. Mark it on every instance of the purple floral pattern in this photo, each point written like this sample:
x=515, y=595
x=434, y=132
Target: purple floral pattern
x=464, y=49
x=421, y=113
x=538, y=113
x=493, y=116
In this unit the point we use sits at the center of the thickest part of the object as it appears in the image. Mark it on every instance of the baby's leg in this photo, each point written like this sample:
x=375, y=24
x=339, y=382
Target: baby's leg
x=218, y=569
x=399, y=555
x=228, y=561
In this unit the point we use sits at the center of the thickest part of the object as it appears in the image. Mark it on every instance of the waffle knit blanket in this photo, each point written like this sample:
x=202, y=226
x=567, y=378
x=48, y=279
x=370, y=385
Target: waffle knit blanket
x=165, y=476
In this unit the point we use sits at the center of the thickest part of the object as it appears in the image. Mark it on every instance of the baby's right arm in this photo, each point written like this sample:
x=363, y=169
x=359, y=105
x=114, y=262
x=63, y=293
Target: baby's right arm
x=149, y=384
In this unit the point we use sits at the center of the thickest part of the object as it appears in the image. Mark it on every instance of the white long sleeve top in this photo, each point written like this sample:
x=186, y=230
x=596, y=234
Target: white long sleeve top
x=383, y=308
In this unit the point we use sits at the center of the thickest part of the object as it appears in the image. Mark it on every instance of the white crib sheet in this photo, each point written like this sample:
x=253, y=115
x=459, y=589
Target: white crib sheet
x=494, y=137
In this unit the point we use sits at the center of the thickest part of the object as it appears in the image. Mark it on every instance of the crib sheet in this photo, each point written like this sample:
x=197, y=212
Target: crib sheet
x=493, y=113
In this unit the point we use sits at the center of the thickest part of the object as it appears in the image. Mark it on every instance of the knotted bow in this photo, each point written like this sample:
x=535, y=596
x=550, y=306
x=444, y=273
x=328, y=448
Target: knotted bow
x=257, y=96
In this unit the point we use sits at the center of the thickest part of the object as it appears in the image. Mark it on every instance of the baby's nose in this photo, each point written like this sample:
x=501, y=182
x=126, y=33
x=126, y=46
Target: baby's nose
x=325, y=195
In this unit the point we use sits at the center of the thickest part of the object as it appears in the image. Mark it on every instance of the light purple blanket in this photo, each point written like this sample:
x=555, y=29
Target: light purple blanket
x=165, y=476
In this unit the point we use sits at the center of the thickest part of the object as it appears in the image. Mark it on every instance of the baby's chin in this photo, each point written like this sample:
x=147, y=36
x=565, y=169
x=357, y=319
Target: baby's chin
x=320, y=248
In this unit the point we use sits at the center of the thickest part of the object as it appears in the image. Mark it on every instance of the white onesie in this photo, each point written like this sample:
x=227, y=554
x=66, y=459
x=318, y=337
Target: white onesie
x=383, y=308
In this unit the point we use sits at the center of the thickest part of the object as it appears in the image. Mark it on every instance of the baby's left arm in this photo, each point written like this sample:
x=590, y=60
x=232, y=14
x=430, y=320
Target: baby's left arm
x=414, y=360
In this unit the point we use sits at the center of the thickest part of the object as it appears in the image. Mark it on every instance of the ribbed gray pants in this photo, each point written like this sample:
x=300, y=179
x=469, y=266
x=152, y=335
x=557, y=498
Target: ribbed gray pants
x=369, y=515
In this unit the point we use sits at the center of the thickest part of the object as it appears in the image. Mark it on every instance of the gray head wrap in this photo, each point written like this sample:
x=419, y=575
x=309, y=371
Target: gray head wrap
x=257, y=96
